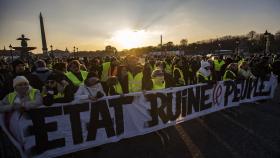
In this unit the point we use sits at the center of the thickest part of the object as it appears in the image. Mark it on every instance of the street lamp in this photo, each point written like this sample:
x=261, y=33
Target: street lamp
x=219, y=47
x=266, y=35
x=11, y=52
x=77, y=51
x=74, y=48
x=252, y=47
x=237, y=46
x=52, y=51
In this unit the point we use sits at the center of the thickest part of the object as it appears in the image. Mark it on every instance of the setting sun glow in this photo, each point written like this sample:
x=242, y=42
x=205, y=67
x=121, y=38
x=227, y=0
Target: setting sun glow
x=129, y=38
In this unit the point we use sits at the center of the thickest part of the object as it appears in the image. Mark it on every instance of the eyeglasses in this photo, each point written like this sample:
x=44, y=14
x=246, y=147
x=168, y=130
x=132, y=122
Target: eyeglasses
x=23, y=84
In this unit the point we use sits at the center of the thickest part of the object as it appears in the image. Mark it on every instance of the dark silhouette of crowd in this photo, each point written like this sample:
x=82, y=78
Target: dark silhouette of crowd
x=62, y=80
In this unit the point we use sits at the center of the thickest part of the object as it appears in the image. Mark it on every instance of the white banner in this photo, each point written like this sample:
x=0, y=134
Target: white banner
x=62, y=129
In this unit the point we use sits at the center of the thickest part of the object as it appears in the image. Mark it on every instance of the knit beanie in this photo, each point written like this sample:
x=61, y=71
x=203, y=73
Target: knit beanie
x=19, y=79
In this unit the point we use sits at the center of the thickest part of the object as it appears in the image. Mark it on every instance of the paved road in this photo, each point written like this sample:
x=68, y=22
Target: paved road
x=249, y=131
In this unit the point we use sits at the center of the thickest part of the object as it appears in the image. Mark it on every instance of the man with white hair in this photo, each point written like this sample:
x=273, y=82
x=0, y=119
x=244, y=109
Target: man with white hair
x=24, y=96
x=16, y=103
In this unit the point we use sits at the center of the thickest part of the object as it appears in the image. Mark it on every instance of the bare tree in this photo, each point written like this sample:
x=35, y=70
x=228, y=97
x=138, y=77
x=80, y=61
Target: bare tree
x=184, y=42
x=251, y=35
x=110, y=49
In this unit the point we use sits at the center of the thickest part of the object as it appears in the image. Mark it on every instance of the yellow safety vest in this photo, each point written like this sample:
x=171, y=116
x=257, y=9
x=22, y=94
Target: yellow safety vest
x=181, y=79
x=198, y=73
x=105, y=71
x=240, y=61
x=74, y=79
x=118, y=88
x=58, y=95
x=157, y=86
x=50, y=66
x=218, y=65
x=168, y=68
x=152, y=67
x=225, y=75
x=135, y=83
x=12, y=96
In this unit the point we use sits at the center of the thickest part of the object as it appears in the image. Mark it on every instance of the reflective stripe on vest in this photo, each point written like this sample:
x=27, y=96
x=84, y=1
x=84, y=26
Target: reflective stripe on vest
x=12, y=96
x=168, y=68
x=218, y=65
x=225, y=75
x=118, y=88
x=181, y=79
x=152, y=67
x=106, y=70
x=157, y=86
x=74, y=79
x=198, y=73
x=58, y=95
x=241, y=61
x=135, y=83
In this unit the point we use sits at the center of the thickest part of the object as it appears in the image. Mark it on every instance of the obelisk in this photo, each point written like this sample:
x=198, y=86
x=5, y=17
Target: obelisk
x=44, y=43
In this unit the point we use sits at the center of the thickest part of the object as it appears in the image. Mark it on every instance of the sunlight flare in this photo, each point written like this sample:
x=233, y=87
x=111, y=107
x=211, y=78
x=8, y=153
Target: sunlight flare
x=129, y=38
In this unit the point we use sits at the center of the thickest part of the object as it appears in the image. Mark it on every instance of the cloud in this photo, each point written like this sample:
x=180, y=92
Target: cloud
x=85, y=22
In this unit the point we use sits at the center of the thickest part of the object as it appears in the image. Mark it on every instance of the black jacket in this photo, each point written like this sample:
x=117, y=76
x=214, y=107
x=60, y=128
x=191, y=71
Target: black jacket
x=69, y=92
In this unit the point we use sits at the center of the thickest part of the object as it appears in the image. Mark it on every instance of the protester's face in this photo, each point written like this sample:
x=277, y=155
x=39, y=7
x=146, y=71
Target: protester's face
x=22, y=88
x=96, y=62
x=96, y=87
x=64, y=69
x=132, y=61
x=64, y=83
x=91, y=81
x=245, y=66
x=160, y=66
x=114, y=62
x=124, y=72
x=152, y=61
x=20, y=68
x=60, y=87
x=180, y=63
x=208, y=68
x=75, y=68
x=235, y=67
x=51, y=83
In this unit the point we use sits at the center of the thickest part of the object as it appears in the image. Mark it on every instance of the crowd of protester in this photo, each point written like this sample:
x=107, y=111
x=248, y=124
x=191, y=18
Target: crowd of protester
x=25, y=85
x=49, y=81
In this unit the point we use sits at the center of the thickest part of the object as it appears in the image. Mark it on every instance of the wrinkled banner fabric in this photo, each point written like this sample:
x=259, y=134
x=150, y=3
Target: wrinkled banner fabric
x=66, y=128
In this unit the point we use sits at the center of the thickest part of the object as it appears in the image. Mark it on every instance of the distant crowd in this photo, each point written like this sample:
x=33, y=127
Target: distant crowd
x=61, y=80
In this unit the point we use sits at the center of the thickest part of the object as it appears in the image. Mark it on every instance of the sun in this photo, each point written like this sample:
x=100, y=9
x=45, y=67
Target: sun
x=129, y=39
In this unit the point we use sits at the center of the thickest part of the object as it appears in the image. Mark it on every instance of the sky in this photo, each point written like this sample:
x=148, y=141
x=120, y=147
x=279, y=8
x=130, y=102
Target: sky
x=93, y=24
